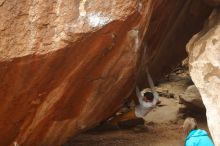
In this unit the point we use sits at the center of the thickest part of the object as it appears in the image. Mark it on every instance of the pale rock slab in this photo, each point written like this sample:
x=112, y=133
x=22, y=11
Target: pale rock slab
x=204, y=65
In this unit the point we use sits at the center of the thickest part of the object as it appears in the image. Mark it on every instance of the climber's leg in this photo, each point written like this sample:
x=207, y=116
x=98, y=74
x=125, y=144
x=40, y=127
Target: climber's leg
x=123, y=117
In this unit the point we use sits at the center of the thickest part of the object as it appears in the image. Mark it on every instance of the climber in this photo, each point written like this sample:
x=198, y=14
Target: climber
x=147, y=102
x=195, y=136
x=152, y=97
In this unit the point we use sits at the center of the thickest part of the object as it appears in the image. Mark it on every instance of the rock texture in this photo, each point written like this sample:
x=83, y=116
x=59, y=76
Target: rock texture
x=204, y=64
x=191, y=98
x=66, y=65
x=214, y=3
x=172, y=25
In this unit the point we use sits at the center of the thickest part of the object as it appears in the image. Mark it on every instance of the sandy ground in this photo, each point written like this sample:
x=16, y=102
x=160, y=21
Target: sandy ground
x=154, y=135
x=162, y=127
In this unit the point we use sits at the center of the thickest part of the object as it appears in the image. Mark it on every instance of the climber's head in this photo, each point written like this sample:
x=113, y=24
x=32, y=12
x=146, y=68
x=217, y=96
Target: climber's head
x=148, y=96
x=189, y=125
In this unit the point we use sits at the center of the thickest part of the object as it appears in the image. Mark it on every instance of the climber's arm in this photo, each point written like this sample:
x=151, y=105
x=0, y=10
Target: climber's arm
x=151, y=83
x=139, y=95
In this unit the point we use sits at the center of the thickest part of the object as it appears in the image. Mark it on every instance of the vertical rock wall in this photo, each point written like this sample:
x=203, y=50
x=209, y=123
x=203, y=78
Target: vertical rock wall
x=173, y=24
x=204, y=65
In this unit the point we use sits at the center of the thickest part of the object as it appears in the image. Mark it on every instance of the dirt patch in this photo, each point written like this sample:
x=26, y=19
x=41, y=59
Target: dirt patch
x=154, y=135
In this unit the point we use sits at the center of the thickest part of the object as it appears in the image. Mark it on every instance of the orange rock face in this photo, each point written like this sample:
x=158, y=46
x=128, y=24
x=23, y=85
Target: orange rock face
x=67, y=65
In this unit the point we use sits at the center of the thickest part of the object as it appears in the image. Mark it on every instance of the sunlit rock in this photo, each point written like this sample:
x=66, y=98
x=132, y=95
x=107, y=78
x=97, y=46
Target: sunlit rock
x=204, y=65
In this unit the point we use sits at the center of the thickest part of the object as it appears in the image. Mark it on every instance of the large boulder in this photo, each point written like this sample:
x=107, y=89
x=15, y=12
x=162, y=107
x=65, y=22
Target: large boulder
x=66, y=65
x=204, y=65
